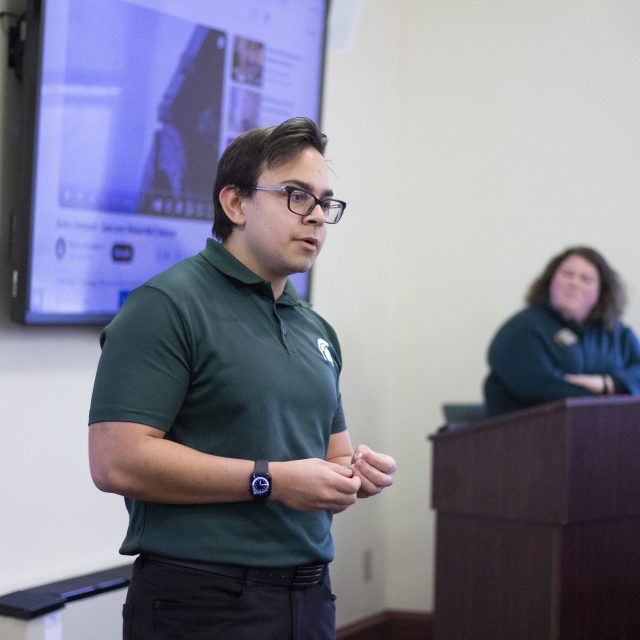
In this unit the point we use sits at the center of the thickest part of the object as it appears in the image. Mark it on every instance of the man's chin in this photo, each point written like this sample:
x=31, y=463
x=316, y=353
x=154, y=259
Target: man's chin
x=301, y=266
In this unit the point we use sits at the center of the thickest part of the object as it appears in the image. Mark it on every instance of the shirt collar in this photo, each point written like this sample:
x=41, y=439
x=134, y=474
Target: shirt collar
x=223, y=261
x=575, y=326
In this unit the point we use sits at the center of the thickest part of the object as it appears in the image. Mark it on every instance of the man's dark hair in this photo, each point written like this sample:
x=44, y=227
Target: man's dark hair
x=612, y=298
x=254, y=151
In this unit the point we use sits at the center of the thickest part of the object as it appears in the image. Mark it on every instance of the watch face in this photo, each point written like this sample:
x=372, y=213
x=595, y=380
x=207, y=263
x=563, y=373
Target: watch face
x=259, y=486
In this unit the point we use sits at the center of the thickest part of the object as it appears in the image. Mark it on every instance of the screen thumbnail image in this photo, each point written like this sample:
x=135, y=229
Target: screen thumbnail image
x=244, y=113
x=248, y=61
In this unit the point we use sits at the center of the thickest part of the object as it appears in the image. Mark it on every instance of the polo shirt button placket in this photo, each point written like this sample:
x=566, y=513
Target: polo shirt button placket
x=285, y=341
x=282, y=328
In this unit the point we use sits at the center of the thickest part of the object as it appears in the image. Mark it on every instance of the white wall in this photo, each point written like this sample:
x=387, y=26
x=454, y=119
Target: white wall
x=472, y=141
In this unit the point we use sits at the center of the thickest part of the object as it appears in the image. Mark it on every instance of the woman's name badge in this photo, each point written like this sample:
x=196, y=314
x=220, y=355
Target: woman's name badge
x=565, y=337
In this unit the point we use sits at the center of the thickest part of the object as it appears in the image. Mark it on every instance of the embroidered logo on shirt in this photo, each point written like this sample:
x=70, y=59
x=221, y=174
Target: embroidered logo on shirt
x=565, y=337
x=323, y=345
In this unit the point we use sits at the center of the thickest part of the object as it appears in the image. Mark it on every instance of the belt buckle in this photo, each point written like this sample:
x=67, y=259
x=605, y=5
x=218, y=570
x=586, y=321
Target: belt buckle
x=308, y=575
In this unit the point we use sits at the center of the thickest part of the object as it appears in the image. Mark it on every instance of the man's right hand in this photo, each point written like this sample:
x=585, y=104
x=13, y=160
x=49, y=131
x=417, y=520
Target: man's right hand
x=313, y=485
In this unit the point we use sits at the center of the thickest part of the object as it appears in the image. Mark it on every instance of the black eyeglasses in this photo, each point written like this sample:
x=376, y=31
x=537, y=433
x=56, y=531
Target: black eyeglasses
x=302, y=203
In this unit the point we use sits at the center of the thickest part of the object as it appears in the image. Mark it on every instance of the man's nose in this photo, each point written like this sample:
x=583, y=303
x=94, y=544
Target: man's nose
x=316, y=216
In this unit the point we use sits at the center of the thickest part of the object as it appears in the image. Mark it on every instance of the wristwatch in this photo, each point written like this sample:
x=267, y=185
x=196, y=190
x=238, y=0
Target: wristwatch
x=260, y=481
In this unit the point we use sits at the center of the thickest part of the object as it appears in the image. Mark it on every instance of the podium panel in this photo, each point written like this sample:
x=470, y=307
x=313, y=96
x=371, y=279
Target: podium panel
x=538, y=524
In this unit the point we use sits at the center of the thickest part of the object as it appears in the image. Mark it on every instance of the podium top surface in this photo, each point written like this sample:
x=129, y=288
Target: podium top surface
x=546, y=409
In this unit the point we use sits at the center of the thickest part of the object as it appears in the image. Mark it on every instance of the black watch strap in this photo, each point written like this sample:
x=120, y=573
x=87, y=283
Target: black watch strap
x=261, y=468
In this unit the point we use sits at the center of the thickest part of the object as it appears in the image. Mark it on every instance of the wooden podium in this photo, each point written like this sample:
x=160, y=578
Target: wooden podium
x=538, y=524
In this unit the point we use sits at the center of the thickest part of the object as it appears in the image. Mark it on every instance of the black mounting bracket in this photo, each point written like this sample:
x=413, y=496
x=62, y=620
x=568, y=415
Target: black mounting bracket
x=16, y=30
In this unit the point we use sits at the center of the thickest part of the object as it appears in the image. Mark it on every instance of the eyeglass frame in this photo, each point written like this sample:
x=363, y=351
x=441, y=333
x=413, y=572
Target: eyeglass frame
x=289, y=189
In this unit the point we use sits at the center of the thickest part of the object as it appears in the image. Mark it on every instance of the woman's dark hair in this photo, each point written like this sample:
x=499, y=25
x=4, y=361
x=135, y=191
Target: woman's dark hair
x=612, y=298
x=255, y=150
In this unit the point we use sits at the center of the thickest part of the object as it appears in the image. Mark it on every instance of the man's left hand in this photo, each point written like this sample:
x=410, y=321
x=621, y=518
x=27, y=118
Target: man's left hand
x=374, y=469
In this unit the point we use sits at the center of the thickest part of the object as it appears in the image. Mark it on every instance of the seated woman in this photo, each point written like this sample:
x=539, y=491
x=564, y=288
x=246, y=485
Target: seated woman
x=568, y=341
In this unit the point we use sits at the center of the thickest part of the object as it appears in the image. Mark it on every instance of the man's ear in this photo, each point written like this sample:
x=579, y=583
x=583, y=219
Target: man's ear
x=233, y=204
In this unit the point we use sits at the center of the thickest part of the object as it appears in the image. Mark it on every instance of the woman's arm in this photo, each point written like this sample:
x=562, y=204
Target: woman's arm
x=522, y=356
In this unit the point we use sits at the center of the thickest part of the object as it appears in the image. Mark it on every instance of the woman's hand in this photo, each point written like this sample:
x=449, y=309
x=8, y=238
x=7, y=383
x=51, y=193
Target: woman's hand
x=596, y=383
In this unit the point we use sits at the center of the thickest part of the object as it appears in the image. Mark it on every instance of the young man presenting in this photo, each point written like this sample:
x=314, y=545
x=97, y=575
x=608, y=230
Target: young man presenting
x=216, y=412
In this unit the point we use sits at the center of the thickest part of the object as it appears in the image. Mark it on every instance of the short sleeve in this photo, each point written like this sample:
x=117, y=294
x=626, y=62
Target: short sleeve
x=144, y=369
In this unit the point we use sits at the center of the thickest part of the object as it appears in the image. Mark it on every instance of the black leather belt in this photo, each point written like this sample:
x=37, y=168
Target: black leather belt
x=306, y=575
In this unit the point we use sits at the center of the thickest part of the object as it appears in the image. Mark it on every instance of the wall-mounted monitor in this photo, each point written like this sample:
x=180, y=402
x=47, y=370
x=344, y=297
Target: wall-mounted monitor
x=128, y=105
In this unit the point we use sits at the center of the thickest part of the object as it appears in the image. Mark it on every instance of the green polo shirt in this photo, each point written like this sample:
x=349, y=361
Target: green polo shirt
x=205, y=353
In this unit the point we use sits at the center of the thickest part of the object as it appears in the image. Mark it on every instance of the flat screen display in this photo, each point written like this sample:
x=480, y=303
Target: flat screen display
x=133, y=102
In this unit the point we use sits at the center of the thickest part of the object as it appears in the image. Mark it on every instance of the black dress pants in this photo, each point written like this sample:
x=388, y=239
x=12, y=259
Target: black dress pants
x=169, y=602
